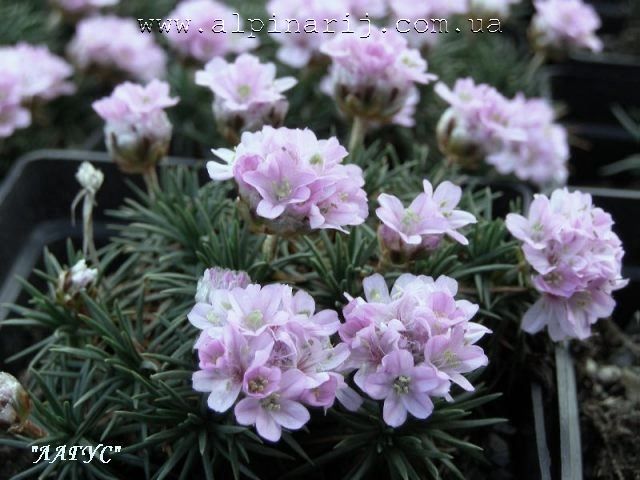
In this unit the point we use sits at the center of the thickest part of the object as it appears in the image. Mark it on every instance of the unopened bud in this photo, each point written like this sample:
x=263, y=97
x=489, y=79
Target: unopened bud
x=15, y=405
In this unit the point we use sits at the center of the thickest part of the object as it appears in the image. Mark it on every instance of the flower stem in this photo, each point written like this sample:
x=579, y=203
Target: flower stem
x=358, y=131
x=151, y=181
x=536, y=62
x=270, y=247
x=88, y=244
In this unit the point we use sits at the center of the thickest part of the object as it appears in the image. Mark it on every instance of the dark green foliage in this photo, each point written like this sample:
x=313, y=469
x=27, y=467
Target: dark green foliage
x=114, y=364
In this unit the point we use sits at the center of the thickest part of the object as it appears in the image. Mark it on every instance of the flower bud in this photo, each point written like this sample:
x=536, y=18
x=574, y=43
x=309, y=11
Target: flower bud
x=455, y=142
x=15, y=405
x=89, y=177
x=137, y=129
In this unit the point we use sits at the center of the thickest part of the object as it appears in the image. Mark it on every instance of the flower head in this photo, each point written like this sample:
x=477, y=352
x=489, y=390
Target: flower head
x=13, y=115
x=89, y=177
x=517, y=136
x=561, y=25
x=137, y=129
x=247, y=93
x=410, y=344
x=423, y=224
x=266, y=351
x=305, y=28
x=29, y=73
x=577, y=263
x=294, y=181
x=202, y=40
x=374, y=77
x=112, y=43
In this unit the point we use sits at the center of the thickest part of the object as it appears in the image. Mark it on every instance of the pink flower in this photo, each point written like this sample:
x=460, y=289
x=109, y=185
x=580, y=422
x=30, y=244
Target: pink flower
x=577, y=263
x=13, y=115
x=279, y=409
x=374, y=77
x=404, y=387
x=561, y=25
x=216, y=279
x=422, y=225
x=247, y=93
x=451, y=354
x=423, y=33
x=209, y=33
x=137, y=129
x=409, y=344
x=224, y=381
x=294, y=181
x=113, y=43
x=517, y=136
x=40, y=74
x=305, y=29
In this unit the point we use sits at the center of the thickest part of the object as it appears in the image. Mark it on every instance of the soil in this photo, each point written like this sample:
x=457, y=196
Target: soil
x=608, y=369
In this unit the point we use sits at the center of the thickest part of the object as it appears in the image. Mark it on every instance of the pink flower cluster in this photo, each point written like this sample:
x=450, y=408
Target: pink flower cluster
x=137, y=129
x=294, y=181
x=419, y=15
x=29, y=73
x=421, y=226
x=409, y=345
x=577, y=262
x=210, y=33
x=266, y=352
x=561, y=25
x=517, y=136
x=113, y=43
x=306, y=28
x=247, y=93
x=82, y=7
x=375, y=77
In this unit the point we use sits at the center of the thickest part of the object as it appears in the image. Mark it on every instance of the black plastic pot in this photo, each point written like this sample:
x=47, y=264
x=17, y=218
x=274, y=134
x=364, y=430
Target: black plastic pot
x=35, y=200
x=596, y=147
x=589, y=86
x=614, y=14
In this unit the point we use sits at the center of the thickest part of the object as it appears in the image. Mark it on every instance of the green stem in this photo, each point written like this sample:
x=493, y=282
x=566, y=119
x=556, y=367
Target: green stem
x=88, y=244
x=151, y=181
x=536, y=62
x=270, y=247
x=358, y=131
